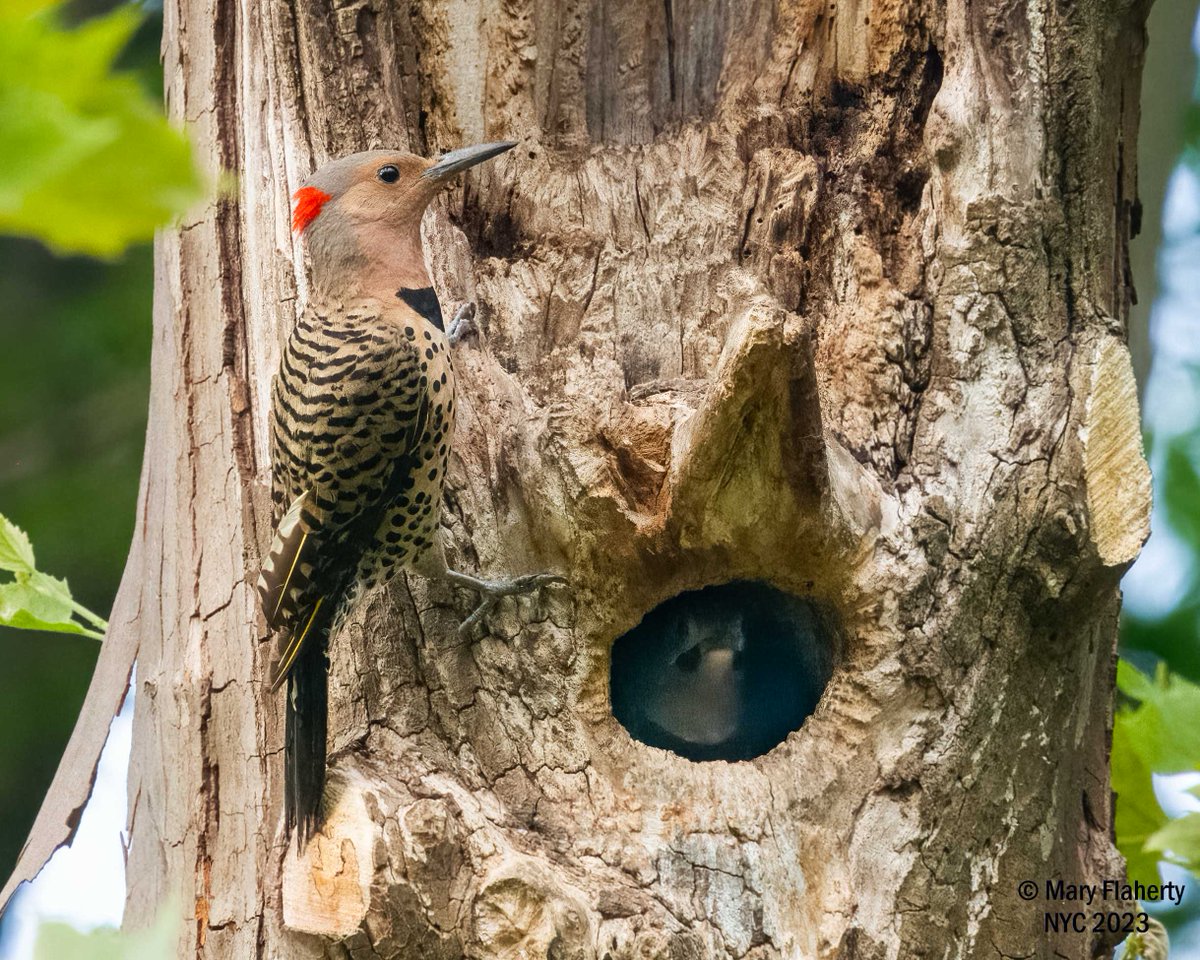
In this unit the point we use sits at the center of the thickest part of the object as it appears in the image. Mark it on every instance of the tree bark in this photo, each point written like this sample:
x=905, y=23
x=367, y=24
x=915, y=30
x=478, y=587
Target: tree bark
x=830, y=295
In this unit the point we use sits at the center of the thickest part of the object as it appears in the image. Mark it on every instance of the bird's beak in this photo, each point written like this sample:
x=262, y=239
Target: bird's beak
x=456, y=161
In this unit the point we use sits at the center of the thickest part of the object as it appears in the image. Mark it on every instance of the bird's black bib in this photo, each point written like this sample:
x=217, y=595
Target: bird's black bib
x=425, y=302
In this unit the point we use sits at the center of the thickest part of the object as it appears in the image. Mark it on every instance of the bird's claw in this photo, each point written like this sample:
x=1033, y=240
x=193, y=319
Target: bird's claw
x=462, y=324
x=494, y=590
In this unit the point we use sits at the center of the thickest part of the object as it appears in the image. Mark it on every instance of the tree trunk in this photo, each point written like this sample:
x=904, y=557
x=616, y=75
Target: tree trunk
x=827, y=295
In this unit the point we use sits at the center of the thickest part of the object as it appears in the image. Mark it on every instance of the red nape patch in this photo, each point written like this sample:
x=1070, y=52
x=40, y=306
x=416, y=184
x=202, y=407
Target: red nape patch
x=309, y=201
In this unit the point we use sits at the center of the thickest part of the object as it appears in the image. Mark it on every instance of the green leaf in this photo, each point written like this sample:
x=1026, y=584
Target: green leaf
x=1133, y=683
x=1163, y=727
x=34, y=600
x=1181, y=839
x=87, y=161
x=1155, y=732
x=1138, y=814
x=40, y=602
x=16, y=552
x=58, y=941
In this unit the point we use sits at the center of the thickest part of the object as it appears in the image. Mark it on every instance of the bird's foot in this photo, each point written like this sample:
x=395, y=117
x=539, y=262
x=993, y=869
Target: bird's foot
x=462, y=324
x=493, y=590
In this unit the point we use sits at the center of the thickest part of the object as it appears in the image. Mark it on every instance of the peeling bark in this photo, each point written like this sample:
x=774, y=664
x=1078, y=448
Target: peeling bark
x=830, y=295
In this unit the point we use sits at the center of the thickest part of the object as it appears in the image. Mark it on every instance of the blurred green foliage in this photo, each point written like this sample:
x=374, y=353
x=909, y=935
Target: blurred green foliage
x=1155, y=731
x=59, y=941
x=1175, y=636
x=72, y=426
x=73, y=404
x=1154, y=944
x=1157, y=724
x=88, y=162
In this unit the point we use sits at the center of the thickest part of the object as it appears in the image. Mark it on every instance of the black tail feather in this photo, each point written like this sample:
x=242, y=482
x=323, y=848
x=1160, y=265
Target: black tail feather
x=304, y=744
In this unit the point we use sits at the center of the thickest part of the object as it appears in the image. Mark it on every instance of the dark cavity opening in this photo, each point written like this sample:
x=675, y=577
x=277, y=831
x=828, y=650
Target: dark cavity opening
x=722, y=673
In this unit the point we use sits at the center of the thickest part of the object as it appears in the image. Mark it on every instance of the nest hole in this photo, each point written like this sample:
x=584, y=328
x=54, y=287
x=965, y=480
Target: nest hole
x=722, y=673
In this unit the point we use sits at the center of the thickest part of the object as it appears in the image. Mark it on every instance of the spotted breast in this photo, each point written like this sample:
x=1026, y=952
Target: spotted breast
x=363, y=422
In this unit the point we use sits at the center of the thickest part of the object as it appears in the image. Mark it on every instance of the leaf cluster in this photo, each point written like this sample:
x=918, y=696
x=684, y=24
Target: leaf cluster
x=88, y=163
x=1154, y=731
x=33, y=600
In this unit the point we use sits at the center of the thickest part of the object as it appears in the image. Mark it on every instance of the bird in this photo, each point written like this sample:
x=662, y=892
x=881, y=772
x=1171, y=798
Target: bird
x=721, y=673
x=687, y=692
x=362, y=423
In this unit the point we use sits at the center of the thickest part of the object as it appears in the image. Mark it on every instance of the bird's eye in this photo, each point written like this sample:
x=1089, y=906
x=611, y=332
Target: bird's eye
x=388, y=174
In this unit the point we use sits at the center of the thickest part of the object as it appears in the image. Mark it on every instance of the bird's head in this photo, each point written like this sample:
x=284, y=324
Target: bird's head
x=694, y=691
x=360, y=216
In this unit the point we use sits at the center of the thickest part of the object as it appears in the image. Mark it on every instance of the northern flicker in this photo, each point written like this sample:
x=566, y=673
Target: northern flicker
x=363, y=420
x=721, y=673
x=686, y=691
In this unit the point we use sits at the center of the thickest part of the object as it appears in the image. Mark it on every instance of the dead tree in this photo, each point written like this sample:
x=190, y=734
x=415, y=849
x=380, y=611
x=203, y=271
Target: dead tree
x=827, y=296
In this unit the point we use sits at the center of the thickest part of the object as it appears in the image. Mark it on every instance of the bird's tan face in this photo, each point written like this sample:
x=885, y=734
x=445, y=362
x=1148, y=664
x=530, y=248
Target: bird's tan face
x=378, y=185
x=388, y=189
x=361, y=217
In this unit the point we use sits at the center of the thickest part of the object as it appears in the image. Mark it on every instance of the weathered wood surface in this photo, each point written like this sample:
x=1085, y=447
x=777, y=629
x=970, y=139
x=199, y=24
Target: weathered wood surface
x=818, y=293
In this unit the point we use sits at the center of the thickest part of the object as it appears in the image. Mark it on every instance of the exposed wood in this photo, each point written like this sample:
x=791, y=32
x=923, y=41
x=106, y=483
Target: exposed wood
x=329, y=891
x=825, y=294
x=1116, y=473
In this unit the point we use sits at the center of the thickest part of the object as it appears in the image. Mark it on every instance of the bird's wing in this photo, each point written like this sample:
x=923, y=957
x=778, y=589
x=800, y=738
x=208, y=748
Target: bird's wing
x=281, y=571
x=349, y=408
